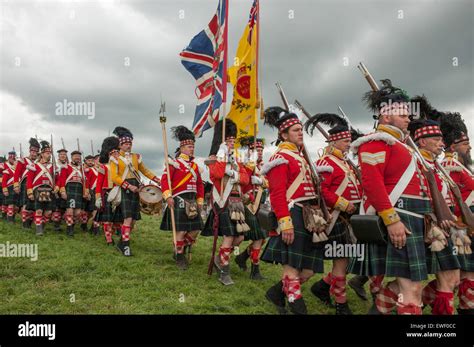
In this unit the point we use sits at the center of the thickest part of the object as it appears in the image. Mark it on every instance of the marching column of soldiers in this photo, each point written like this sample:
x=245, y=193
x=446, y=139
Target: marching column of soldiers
x=403, y=194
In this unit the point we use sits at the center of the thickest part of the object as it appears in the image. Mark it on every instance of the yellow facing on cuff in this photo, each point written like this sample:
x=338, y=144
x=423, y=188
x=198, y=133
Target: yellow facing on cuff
x=29, y=191
x=5, y=190
x=389, y=216
x=285, y=223
x=341, y=204
x=200, y=201
x=62, y=190
x=16, y=185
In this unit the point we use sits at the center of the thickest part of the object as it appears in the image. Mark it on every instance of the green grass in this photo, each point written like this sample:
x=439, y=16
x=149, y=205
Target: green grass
x=105, y=282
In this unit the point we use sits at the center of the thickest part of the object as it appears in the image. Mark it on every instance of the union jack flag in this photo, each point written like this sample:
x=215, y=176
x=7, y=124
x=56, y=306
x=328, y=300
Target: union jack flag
x=206, y=58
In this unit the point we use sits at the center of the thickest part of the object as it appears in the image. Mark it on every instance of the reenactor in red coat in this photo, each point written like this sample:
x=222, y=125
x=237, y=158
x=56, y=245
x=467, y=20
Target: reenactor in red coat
x=185, y=196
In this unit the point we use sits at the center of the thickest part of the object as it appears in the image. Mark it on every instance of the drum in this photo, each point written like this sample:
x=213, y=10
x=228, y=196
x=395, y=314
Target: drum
x=151, y=199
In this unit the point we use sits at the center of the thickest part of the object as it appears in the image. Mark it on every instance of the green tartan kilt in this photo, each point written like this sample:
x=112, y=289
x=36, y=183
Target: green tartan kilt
x=74, y=196
x=60, y=204
x=408, y=262
x=2, y=198
x=339, y=234
x=44, y=206
x=89, y=205
x=256, y=232
x=12, y=198
x=130, y=204
x=443, y=260
x=105, y=214
x=301, y=254
x=226, y=226
x=466, y=261
x=23, y=200
x=183, y=223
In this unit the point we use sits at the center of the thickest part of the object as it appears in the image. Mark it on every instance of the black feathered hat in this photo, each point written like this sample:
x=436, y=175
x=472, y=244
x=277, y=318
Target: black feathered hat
x=183, y=135
x=250, y=141
x=387, y=99
x=230, y=132
x=34, y=143
x=45, y=147
x=109, y=144
x=340, y=128
x=422, y=128
x=277, y=117
x=453, y=128
x=124, y=135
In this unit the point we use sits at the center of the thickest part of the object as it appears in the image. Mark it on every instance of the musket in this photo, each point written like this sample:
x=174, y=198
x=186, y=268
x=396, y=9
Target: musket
x=92, y=148
x=440, y=206
x=466, y=214
x=314, y=174
x=64, y=147
x=368, y=76
x=167, y=166
x=326, y=135
x=53, y=161
x=82, y=170
x=21, y=151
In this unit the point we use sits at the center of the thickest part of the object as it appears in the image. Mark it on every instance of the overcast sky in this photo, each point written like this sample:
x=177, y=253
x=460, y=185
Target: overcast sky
x=121, y=55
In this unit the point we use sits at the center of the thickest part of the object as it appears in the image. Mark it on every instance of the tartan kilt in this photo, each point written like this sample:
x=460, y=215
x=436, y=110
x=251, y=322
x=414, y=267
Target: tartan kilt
x=89, y=205
x=105, y=214
x=44, y=206
x=12, y=198
x=183, y=223
x=23, y=200
x=339, y=234
x=60, y=204
x=226, y=226
x=2, y=198
x=443, y=260
x=130, y=204
x=301, y=254
x=74, y=196
x=466, y=261
x=408, y=262
x=256, y=232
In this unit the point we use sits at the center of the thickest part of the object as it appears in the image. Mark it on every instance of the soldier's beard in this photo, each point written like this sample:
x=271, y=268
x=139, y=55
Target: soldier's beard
x=466, y=158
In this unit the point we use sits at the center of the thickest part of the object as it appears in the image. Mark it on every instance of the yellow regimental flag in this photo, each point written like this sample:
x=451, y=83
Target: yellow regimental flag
x=243, y=75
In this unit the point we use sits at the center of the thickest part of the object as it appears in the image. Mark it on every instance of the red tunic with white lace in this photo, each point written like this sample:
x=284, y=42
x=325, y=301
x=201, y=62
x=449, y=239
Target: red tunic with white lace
x=335, y=171
x=21, y=170
x=40, y=175
x=91, y=174
x=217, y=173
x=185, y=178
x=383, y=160
x=70, y=174
x=461, y=176
x=8, y=175
x=283, y=168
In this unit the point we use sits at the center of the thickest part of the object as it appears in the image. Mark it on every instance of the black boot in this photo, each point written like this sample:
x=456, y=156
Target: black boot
x=25, y=224
x=39, y=230
x=343, y=309
x=466, y=311
x=95, y=231
x=298, y=306
x=57, y=226
x=29, y=222
x=11, y=219
x=321, y=290
x=241, y=260
x=255, y=273
x=357, y=284
x=224, y=275
x=276, y=296
x=70, y=230
x=124, y=247
x=181, y=261
x=373, y=310
x=84, y=227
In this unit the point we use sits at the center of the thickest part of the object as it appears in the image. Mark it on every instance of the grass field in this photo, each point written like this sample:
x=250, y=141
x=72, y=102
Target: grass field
x=85, y=276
